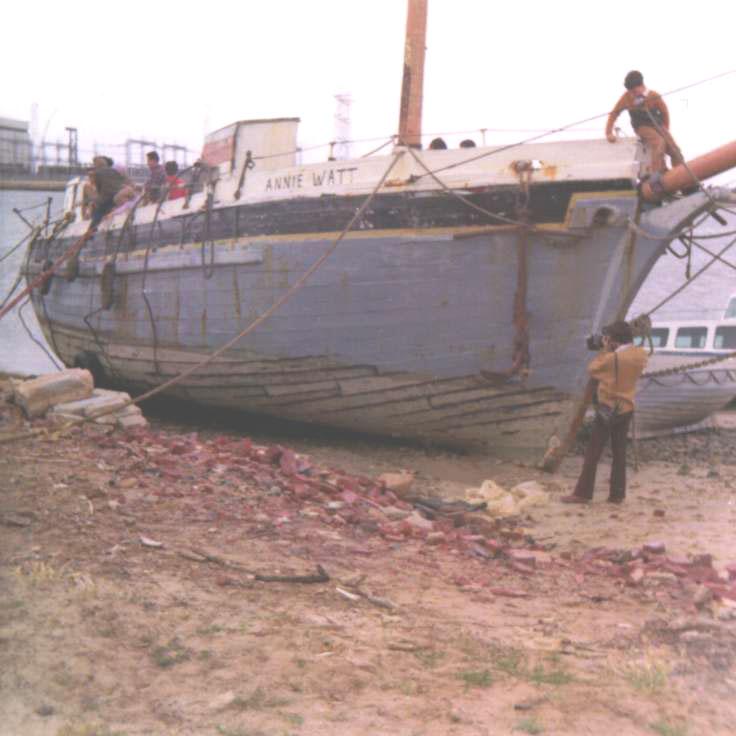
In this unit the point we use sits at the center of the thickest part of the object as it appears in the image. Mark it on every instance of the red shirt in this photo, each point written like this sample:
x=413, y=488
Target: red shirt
x=176, y=187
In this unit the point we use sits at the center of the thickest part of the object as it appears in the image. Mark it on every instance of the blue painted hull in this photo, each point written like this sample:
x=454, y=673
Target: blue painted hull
x=393, y=335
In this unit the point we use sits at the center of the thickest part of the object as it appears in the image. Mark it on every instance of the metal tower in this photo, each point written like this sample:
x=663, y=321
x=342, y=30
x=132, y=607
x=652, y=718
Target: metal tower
x=342, y=126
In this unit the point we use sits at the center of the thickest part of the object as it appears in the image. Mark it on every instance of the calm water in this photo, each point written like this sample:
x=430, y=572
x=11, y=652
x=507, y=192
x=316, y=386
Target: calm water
x=18, y=353
x=705, y=298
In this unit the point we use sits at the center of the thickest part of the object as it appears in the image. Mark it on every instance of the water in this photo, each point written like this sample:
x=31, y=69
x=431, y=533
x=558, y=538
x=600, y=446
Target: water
x=18, y=352
x=705, y=298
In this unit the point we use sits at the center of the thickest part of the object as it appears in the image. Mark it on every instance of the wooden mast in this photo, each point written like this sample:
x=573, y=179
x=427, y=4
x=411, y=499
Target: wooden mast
x=410, y=116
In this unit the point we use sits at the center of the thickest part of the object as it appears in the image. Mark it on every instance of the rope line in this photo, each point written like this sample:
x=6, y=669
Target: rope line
x=540, y=132
x=48, y=273
x=570, y=125
x=478, y=208
x=687, y=283
x=36, y=230
x=296, y=287
x=33, y=337
x=690, y=366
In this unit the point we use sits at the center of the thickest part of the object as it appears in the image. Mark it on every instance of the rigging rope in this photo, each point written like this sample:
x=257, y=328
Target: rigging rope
x=33, y=337
x=482, y=210
x=570, y=125
x=288, y=294
x=33, y=234
x=541, y=133
x=47, y=273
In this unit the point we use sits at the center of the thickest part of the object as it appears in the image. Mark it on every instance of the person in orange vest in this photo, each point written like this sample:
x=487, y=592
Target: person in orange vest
x=650, y=120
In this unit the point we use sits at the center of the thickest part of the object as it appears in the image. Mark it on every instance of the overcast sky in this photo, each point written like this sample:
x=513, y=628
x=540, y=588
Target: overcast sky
x=169, y=70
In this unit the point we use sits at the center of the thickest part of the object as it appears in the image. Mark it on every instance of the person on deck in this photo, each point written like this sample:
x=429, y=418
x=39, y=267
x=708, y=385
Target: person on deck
x=89, y=195
x=154, y=186
x=177, y=188
x=617, y=368
x=650, y=120
x=108, y=183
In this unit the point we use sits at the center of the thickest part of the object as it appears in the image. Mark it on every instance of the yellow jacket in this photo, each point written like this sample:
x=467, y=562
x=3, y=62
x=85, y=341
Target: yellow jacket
x=618, y=392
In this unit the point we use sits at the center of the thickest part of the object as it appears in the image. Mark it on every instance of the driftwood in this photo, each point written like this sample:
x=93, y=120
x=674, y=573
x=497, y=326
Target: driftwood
x=200, y=555
x=356, y=591
x=320, y=577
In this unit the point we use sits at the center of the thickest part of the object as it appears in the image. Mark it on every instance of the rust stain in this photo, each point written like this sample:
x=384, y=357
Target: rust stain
x=268, y=266
x=236, y=293
x=550, y=171
x=177, y=310
x=283, y=270
x=203, y=324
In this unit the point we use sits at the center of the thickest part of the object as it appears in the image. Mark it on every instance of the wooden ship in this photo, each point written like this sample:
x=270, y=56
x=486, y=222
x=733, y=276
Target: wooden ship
x=454, y=311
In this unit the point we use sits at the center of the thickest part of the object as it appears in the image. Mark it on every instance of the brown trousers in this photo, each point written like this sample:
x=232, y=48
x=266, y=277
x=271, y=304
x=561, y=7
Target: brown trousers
x=659, y=145
x=598, y=440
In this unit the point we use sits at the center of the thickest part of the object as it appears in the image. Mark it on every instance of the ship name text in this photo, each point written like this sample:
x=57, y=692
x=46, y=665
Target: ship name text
x=302, y=180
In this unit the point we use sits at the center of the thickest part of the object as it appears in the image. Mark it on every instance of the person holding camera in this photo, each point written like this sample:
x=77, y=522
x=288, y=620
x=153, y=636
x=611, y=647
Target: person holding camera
x=616, y=368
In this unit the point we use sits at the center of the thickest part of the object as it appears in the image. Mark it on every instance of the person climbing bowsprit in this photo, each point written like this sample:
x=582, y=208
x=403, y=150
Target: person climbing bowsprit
x=650, y=120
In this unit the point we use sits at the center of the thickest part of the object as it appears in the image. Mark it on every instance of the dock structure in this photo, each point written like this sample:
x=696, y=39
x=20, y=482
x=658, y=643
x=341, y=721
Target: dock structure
x=32, y=184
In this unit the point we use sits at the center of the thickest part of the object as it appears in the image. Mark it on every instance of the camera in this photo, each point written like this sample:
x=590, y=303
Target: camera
x=594, y=342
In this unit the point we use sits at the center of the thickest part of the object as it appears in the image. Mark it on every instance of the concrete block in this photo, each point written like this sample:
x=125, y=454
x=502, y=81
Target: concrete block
x=37, y=395
x=132, y=421
x=398, y=483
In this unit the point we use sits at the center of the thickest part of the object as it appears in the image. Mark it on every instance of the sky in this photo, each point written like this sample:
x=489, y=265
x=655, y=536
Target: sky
x=169, y=71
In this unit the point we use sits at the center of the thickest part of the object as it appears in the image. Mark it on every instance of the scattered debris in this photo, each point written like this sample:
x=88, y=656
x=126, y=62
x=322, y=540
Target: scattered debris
x=11, y=519
x=146, y=542
x=500, y=502
x=399, y=483
x=320, y=577
x=350, y=596
x=530, y=704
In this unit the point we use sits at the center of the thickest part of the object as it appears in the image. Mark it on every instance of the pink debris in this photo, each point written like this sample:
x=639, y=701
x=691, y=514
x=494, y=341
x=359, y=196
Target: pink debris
x=349, y=497
x=288, y=463
x=523, y=556
x=508, y=592
x=655, y=548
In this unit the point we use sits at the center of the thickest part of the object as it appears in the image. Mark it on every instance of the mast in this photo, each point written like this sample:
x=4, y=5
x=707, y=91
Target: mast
x=410, y=114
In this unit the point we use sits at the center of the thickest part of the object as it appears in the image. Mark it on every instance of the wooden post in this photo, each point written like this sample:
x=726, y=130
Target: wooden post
x=410, y=115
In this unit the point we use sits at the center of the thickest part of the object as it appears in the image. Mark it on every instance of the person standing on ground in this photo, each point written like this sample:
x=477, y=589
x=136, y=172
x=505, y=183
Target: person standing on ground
x=617, y=368
x=650, y=120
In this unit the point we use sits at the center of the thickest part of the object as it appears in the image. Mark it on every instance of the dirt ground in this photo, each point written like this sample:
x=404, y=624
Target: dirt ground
x=130, y=601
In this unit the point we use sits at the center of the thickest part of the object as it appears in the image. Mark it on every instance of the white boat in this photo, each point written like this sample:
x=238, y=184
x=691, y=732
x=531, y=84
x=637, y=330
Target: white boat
x=686, y=400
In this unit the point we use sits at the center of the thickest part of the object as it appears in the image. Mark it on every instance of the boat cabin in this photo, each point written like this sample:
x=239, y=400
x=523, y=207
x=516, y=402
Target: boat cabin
x=693, y=336
x=730, y=312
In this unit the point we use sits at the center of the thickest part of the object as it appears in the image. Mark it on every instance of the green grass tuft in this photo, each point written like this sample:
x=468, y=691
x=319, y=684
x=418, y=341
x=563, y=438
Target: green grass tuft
x=476, y=678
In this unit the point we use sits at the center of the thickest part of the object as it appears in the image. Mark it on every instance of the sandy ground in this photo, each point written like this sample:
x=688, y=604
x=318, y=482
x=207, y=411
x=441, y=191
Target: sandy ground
x=102, y=634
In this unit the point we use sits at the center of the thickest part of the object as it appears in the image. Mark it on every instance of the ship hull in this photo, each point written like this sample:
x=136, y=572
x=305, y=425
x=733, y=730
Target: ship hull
x=685, y=399
x=406, y=330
